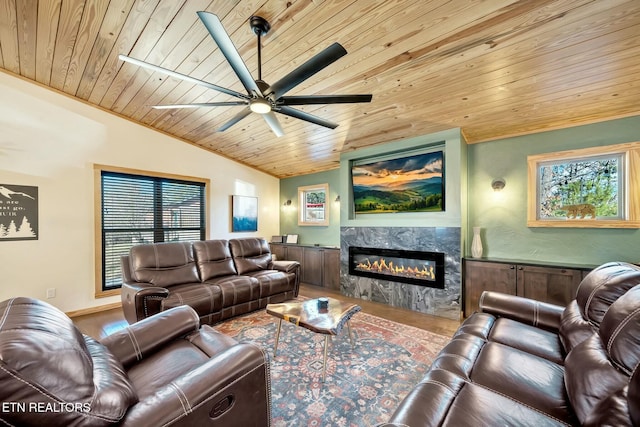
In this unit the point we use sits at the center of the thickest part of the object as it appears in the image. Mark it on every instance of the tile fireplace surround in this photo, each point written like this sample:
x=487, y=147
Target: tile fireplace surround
x=439, y=302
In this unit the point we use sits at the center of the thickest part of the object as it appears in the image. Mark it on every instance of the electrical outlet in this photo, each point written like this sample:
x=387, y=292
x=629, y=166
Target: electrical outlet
x=51, y=293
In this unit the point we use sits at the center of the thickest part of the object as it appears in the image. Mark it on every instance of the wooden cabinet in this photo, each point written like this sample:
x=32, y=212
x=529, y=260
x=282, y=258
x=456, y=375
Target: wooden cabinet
x=278, y=251
x=486, y=276
x=319, y=265
x=552, y=284
x=555, y=285
x=312, y=260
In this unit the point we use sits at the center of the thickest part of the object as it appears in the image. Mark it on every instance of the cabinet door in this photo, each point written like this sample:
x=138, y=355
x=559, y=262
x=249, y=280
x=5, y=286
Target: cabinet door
x=294, y=253
x=279, y=251
x=313, y=266
x=331, y=274
x=549, y=284
x=482, y=276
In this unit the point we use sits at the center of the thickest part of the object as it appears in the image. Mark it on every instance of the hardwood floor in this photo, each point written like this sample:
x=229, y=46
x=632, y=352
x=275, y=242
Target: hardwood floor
x=100, y=324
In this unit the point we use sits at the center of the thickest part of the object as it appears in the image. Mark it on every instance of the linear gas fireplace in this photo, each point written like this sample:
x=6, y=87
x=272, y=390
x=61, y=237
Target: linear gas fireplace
x=397, y=265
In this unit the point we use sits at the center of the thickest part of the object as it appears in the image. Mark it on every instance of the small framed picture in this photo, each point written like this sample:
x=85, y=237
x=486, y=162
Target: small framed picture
x=244, y=213
x=292, y=238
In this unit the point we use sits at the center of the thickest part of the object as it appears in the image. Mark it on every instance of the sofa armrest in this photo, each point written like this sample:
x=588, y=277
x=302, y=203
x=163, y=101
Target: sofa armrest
x=286, y=266
x=525, y=310
x=145, y=337
x=232, y=388
x=141, y=300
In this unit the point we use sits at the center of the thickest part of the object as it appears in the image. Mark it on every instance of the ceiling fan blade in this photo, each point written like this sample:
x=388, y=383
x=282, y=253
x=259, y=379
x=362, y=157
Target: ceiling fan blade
x=324, y=99
x=292, y=112
x=181, y=76
x=273, y=123
x=308, y=69
x=235, y=119
x=199, y=104
x=222, y=39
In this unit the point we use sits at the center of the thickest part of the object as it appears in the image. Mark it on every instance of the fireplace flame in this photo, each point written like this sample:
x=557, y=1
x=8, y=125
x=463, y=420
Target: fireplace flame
x=381, y=266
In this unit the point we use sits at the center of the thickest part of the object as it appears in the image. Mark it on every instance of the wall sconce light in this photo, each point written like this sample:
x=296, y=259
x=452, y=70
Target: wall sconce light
x=337, y=200
x=498, y=184
x=287, y=203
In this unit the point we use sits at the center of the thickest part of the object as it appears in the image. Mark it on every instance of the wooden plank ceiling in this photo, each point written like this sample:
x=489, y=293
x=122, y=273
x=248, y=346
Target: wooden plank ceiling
x=493, y=68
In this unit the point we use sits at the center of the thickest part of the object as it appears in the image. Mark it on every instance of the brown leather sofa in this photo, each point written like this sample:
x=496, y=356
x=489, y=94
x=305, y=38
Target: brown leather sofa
x=164, y=370
x=523, y=362
x=219, y=279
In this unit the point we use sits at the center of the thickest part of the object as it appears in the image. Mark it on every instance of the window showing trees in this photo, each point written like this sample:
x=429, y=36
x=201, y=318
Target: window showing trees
x=586, y=188
x=139, y=209
x=594, y=187
x=312, y=200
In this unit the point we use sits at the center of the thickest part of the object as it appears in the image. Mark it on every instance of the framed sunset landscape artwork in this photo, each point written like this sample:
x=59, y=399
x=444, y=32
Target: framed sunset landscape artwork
x=412, y=183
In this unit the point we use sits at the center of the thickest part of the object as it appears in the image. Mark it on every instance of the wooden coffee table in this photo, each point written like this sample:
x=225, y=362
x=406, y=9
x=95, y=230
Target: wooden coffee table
x=310, y=315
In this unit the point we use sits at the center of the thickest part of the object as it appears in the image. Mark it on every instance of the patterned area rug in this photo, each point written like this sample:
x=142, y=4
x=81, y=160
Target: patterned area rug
x=364, y=384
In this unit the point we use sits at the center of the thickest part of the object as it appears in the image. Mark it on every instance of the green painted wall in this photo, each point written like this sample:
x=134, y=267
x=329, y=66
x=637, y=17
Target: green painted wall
x=502, y=216
x=310, y=235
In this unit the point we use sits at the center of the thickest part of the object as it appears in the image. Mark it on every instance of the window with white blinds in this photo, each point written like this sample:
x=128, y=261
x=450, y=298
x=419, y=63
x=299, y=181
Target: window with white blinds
x=139, y=209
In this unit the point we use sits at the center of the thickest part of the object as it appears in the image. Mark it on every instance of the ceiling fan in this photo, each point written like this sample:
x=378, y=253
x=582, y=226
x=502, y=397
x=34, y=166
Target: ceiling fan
x=261, y=97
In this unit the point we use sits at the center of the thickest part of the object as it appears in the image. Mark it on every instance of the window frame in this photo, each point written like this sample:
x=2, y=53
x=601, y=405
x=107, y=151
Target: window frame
x=630, y=179
x=305, y=218
x=100, y=292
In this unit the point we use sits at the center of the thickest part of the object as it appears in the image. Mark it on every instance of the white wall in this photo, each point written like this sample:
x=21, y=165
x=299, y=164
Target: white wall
x=52, y=141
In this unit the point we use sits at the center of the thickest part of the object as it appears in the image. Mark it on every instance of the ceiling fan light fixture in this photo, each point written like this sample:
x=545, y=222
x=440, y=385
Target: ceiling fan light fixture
x=260, y=106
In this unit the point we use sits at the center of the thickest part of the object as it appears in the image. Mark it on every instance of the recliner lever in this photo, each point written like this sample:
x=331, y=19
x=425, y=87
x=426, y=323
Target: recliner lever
x=222, y=406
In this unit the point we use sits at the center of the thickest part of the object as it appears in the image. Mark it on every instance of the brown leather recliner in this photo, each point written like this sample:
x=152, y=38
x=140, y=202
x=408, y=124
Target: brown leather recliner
x=163, y=370
x=524, y=362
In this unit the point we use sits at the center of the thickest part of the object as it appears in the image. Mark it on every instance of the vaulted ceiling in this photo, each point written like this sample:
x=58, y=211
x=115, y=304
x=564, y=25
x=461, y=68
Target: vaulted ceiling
x=494, y=68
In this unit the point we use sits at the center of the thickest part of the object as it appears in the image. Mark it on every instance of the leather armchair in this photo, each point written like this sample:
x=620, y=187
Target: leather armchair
x=163, y=370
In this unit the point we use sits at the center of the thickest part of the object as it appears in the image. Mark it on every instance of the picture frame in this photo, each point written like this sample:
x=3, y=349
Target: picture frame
x=407, y=182
x=593, y=187
x=313, y=205
x=244, y=213
x=18, y=212
x=292, y=239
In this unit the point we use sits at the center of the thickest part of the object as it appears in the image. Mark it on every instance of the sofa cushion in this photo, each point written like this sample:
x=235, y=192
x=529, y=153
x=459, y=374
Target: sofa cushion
x=213, y=258
x=250, y=254
x=41, y=347
x=445, y=399
x=514, y=334
x=634, y=396
x=237, y=290
x=597, y=291
x=204, y=298
x=459, y=355
x=273, y=282
x=163, y=264
x=619, y=331
x=532, y=380
x=528, y=338
x=603, y=286
x=600, y=367
x=590, y=378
